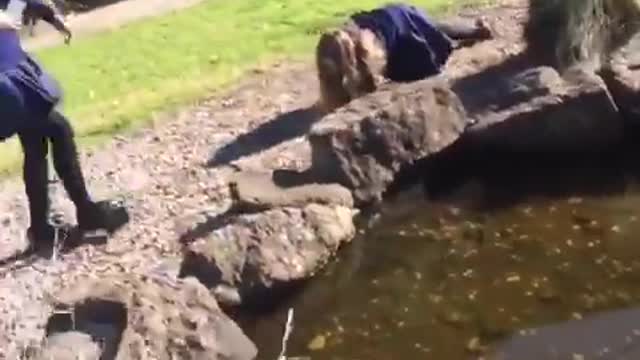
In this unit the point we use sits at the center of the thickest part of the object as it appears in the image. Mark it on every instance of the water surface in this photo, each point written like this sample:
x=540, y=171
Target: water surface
x=447, y=281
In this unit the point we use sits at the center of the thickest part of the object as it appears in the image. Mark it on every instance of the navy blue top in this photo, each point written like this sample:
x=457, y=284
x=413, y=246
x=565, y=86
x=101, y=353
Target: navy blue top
x=27, y=92
x=11, y=52
x=416, y=49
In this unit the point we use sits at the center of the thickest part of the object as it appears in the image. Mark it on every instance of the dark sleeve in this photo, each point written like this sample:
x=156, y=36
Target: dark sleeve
x=40, y=10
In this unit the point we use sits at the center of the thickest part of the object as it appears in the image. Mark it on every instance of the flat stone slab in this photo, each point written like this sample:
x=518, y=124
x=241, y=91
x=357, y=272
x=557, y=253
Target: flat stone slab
x=255, y=191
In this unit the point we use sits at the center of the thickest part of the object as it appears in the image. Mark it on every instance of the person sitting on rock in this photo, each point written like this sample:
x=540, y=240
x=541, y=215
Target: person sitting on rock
x=397, y=42
x=28, y=97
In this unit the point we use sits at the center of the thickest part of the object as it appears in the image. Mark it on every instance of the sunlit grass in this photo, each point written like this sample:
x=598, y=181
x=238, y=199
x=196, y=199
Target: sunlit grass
x=116, y=80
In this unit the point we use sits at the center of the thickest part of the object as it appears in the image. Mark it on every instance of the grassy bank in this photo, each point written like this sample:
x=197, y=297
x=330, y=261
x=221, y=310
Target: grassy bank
x=117, y=80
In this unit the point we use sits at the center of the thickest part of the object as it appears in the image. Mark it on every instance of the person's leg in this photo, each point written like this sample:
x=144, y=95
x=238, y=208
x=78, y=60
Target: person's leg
x=65, y=160
x=35, y=174
x=463, y=32
x=91, y=215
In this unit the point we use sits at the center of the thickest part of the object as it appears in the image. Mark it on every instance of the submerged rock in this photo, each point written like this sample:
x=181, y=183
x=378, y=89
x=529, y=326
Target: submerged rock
x=141, y=318
x=260, y=253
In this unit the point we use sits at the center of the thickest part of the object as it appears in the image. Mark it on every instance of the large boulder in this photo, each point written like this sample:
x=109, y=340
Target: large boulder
x=364, y=144
x=250, y=258
x=255, y=191
x=143, y=318
x=538, y=111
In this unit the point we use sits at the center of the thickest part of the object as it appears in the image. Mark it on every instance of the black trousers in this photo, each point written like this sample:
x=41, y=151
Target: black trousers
x=58, y=134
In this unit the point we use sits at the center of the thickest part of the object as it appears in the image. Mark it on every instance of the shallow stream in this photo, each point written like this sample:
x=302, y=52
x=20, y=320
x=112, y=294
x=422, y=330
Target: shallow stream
x=445, y=281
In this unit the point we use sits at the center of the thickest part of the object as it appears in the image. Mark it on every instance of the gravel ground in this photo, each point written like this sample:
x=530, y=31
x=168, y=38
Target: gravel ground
x=160, y=172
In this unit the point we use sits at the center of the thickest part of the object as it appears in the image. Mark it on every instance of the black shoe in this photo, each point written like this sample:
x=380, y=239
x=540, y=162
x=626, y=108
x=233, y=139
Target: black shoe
x=41, y=240
x=103, y=215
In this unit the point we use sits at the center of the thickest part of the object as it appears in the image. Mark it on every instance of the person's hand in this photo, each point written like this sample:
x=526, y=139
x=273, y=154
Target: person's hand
x=66, y=32
x=62, y=28
x=67, y=35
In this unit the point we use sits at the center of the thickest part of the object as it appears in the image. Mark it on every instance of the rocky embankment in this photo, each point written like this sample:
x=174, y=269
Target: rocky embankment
x=279, y=196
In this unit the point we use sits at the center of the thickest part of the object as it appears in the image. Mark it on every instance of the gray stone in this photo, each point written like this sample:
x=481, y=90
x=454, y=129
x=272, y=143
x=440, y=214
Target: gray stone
x=259, y=253
x=254, y=191
x=364, y=144
x=537, y=110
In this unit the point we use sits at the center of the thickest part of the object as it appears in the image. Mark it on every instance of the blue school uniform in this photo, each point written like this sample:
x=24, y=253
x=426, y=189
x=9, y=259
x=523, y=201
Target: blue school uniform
x=27, y=93
x=416, y=49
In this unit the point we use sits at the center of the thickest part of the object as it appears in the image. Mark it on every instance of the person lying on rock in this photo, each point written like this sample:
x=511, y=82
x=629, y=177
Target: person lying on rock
x=28, y=97
x=397, y=42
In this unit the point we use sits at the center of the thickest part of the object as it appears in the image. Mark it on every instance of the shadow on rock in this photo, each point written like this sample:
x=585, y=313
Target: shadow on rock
x=535, y=132
x=480, y=91
x=206, y=224
x=488, y=179
x=284, y=127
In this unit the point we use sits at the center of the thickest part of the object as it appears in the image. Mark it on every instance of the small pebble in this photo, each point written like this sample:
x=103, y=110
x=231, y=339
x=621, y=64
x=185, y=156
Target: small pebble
x=318, y=343
x=513, y=278
x=473, y=344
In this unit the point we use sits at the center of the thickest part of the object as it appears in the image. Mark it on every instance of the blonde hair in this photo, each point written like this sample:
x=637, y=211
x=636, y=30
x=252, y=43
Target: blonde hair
x=350, y=63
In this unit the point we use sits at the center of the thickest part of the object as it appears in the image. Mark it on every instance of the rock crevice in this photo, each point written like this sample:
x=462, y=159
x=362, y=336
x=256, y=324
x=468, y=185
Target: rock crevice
x=135, y=317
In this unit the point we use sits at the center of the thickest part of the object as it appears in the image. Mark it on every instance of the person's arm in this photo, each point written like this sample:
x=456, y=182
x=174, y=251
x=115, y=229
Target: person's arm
x=46, y=13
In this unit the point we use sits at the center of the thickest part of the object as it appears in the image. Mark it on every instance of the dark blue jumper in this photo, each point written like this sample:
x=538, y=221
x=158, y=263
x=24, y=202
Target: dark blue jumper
x=27, y=93
x=415, y=48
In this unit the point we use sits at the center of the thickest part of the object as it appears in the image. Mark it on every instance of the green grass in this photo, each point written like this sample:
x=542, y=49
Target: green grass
x=117, y=80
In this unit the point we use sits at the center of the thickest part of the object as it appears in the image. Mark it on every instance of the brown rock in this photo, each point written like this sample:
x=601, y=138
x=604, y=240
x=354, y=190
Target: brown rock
x=536, y=110
x=263, y=252
x=364, y=144
x=257, y=191
x=143, y=318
